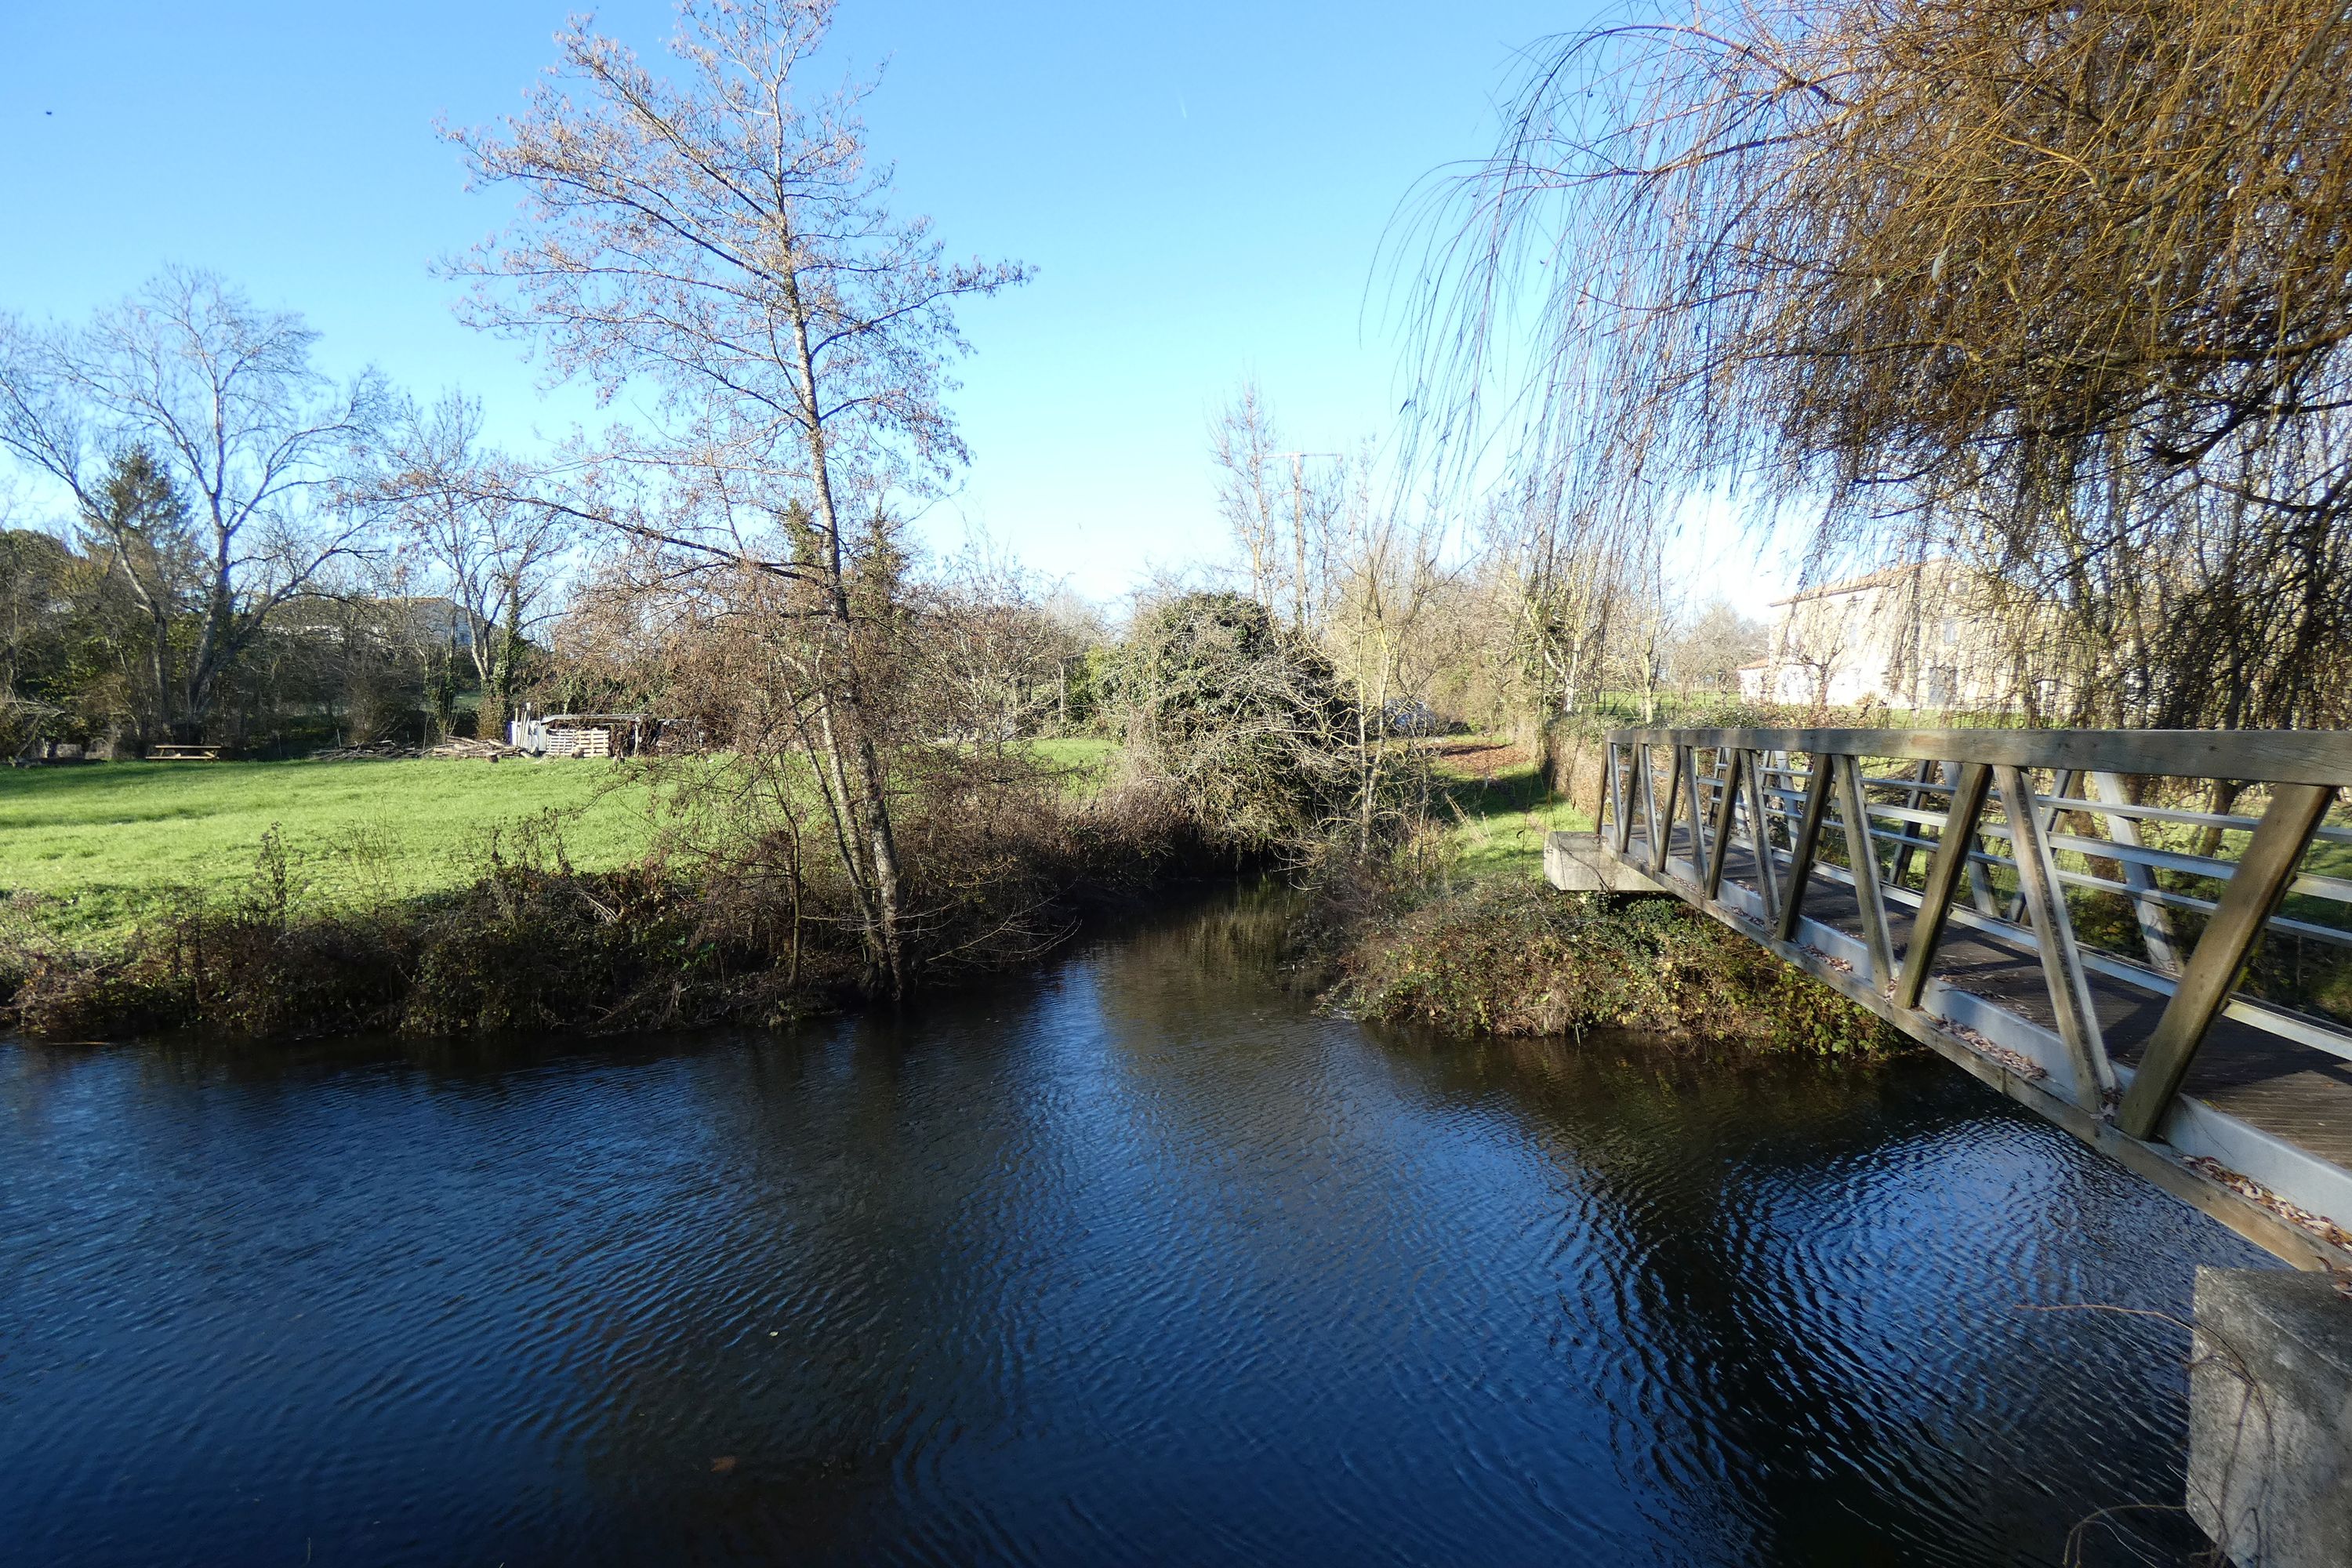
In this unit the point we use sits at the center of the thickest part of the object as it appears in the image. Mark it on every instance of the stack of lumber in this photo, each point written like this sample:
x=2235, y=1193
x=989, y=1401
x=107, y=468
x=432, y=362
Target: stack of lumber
x=485, y=750
x=455, y=747
x=378, y=751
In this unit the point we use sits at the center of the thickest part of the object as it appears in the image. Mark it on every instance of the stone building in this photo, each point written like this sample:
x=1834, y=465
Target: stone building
x=1921, y=637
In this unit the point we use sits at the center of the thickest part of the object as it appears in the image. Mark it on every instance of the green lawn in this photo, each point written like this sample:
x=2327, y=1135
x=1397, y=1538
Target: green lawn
x=91, y=851
x=1501, y=810
x=102, y=847
x=1088, y=758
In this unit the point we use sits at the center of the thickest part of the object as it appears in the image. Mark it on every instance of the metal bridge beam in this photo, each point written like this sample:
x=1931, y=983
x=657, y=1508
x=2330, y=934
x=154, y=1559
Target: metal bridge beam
x=2188, y=1146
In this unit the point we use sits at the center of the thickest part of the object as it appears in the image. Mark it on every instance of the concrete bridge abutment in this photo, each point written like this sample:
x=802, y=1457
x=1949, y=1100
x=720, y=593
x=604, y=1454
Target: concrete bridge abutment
x=1574, y=863
x=2270, y=1417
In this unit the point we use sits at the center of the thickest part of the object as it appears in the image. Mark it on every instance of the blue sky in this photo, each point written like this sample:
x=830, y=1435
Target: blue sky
x=1203, y=190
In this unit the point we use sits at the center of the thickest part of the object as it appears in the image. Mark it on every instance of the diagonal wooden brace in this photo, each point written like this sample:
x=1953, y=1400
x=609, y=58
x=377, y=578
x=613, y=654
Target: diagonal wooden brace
x=2255, y=888
x=2062, y=961
x=1944, y=879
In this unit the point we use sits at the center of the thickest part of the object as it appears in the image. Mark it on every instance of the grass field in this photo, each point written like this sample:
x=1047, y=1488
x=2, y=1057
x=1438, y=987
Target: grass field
x=1501, y=809
x=102, y=847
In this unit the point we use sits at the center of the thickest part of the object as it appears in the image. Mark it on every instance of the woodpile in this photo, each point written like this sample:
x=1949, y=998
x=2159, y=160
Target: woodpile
x=456, y=748
x=460, y=748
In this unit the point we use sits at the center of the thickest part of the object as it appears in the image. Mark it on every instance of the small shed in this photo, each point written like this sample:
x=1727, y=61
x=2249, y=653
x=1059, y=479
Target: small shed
x=584, y=734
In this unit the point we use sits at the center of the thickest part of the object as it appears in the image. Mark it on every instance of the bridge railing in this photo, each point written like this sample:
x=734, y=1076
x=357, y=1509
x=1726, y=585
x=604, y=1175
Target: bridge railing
x=2030, y=837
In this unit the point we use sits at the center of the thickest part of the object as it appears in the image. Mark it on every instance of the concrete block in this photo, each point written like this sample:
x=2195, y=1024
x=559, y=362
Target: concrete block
x=1574, y=863
x=2269, y=1418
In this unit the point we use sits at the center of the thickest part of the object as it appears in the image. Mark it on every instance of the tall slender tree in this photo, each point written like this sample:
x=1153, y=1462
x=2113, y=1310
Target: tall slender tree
x=136, y=525
x=723, y=240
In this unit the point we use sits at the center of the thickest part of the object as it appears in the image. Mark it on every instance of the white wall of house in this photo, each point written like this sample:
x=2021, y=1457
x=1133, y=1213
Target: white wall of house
x=1918, y=636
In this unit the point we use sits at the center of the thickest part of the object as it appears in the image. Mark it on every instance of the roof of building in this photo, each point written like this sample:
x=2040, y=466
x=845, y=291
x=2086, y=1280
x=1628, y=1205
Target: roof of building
x=1852, y=584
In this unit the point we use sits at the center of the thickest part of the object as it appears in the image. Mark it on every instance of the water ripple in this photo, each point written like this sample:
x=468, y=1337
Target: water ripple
x=1137, y=1260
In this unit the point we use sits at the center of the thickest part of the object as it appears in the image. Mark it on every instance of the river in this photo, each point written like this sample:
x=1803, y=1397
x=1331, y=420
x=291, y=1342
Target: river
x=1134, y=1260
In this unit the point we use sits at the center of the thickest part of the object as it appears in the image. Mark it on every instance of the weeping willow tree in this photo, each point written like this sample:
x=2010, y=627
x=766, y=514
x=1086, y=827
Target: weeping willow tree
x=2062, y=290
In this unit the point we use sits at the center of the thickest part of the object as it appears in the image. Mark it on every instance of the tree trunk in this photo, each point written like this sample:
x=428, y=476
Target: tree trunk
x=870, y=807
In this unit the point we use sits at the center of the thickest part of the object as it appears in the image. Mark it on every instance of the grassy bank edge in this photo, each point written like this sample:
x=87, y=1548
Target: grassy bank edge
x=1505, y=957
x=534, y=942
x=1470, y=940
x=91, y=853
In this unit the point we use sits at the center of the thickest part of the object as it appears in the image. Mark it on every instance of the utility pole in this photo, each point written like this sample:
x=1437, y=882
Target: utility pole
x=1298, y=530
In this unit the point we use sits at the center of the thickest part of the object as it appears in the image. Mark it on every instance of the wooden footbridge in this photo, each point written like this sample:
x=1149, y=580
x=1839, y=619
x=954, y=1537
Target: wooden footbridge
x=2052, y=910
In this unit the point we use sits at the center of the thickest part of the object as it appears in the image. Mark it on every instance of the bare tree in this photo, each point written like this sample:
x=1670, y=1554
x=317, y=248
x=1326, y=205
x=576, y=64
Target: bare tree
x=989, y=652
x=493, y=552
x=1582, y=591
x=1242, y=441
x=723, y=240
x=261, y=446
x=1707, y=650
x=1283, y=507
x=1386, y=569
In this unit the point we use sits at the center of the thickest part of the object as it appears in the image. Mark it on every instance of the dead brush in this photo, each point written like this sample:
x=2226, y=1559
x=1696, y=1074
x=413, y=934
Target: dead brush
x=1513, y=959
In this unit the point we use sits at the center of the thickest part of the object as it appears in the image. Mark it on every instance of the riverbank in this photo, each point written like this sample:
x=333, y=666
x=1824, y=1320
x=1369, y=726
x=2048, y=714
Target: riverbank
x=89, y=854
x=1463, y=935
x=1506, y=957
x=516, y=931
x=409, y=898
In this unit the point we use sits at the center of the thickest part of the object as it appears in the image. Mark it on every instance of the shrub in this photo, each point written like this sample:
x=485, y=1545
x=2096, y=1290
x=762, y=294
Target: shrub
x=1249, y=727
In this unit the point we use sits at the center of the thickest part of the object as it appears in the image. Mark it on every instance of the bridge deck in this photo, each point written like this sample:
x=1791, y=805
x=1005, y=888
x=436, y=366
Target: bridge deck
x=2294, y=1092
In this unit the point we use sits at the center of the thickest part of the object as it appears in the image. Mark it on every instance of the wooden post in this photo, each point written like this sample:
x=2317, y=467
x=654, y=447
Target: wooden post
x=1809, y=839
x=1616, y=798
x=1861, y=851
x=1768, y=874
x=1691, y=808
x=2061, y=962
x=2155, y=924
x=2063, y=785
x=2255, y=888
x=1980, y=882
x=1641, y=786
x=1943, y=882
x=1902, y=868
x=1665, y=834
x=1724, y=801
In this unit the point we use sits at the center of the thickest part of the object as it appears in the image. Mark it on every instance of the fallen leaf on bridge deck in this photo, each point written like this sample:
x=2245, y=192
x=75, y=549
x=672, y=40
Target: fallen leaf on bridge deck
x=2246, y=1187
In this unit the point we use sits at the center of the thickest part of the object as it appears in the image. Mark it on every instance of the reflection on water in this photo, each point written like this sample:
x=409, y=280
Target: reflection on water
x=1135, y=1261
